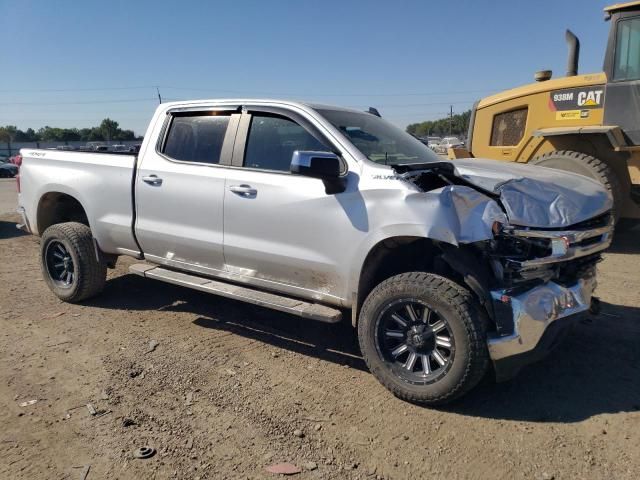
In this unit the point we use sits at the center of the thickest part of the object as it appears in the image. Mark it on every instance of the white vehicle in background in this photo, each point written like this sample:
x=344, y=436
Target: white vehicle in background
x=325, y=212
x=447, y=143
x=432, y=142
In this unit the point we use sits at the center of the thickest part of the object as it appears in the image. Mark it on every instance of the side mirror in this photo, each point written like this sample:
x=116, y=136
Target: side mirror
x=326, y=166
x=316, y=164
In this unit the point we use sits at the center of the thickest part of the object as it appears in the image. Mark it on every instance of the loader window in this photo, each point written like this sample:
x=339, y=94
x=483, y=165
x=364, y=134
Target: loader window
x=627, y=56
x=508, y=128
x=196, y=137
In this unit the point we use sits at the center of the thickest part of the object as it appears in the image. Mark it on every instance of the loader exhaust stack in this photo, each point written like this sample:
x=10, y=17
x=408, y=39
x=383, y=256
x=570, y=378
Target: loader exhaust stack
x=574, y=53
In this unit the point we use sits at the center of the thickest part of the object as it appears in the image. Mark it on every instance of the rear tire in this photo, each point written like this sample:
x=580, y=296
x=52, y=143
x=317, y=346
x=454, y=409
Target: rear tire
x=586, y=165
x=69, y=263
x=443, y=344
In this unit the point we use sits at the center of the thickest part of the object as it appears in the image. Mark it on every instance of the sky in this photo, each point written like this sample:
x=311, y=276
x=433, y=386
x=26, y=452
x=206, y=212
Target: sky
x=73, y=63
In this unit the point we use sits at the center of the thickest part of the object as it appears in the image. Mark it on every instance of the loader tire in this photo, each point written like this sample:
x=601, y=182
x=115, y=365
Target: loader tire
x=592, y=167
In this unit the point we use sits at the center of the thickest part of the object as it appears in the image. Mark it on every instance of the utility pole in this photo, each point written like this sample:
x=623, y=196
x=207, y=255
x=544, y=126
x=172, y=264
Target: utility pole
x=450, y=119
x=159, y=97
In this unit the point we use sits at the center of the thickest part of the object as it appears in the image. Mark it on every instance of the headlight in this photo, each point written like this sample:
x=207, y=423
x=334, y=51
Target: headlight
x=559, y=246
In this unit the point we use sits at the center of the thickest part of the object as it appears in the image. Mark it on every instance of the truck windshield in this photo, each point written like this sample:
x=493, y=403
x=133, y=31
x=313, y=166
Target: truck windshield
x=378, y=139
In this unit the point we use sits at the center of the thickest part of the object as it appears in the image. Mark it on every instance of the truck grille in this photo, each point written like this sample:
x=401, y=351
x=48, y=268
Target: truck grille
x=563, y=255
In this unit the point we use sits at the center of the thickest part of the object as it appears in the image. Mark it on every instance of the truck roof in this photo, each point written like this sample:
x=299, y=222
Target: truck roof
x=261, y=101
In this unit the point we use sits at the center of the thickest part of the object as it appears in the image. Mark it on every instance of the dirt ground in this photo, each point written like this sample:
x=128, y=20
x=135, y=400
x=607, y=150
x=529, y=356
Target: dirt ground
x=230, y=389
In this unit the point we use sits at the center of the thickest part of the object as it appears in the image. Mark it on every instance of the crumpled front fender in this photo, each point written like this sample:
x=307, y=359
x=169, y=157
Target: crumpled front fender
x=458, y=214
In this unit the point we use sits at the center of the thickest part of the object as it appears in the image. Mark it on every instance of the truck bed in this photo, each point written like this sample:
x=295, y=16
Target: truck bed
x=102, y=182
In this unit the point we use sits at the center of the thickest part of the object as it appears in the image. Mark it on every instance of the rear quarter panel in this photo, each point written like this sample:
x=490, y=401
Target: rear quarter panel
x=100, y=182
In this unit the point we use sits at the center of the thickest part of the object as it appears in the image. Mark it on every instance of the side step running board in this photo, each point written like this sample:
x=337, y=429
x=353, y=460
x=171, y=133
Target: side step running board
x=313, y=311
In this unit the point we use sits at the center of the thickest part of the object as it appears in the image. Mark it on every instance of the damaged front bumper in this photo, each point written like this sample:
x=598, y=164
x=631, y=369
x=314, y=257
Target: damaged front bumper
x=548, y=285
x=540, y=318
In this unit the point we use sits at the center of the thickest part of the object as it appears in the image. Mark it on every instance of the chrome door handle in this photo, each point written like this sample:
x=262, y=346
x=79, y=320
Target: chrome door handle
x=244, y=190
x=152, y=180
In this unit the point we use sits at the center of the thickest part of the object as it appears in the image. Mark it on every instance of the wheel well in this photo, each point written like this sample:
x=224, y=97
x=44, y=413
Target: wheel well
x=397, y=255
x=390, y=257
x=56, y=207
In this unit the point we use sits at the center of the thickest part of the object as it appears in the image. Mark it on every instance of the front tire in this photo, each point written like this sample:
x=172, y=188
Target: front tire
x=422, y=336
x=69, y=263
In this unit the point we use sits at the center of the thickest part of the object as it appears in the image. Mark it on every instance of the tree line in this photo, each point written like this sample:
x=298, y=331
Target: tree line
x=108, y=130
x=440, y=128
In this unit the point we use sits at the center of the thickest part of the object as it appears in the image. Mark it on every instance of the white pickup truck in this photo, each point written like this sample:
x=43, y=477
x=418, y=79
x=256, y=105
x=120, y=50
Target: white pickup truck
x=323, y=212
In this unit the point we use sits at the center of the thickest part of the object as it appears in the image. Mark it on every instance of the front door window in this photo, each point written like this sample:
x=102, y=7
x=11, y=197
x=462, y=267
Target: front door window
x=272, y=141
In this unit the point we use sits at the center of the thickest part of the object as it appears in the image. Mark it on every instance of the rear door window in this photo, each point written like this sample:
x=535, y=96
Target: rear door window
x=272, y=140
x=197, y=137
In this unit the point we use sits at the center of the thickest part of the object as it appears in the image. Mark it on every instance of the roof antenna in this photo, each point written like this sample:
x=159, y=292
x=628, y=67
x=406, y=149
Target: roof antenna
x=374, y=111
x=159, y=97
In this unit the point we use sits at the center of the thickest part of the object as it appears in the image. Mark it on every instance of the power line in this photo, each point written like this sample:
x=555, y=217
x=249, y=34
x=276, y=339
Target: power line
x=407, y=105
x=415, y=114
x=158, y=98
x=85, y=102
x=96, y=89
x=360, y=94
x=244, y=92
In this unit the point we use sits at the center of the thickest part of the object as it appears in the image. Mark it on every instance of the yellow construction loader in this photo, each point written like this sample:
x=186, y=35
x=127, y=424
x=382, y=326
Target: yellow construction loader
x=587, y=124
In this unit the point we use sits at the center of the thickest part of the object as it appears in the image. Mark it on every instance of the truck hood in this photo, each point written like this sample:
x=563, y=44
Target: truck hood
x=534, y=196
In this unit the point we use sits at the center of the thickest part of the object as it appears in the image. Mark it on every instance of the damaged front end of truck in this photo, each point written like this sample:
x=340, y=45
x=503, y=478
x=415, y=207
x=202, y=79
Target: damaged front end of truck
x=526, y=241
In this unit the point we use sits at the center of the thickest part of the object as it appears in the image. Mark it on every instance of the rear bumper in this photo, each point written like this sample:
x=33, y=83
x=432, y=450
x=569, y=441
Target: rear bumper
x=541, y=317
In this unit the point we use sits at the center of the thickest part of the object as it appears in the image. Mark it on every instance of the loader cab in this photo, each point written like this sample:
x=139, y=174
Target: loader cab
x=622, y=67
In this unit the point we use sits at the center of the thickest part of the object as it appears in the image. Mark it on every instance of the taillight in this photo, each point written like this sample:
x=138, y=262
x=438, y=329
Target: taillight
x=17, y=160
